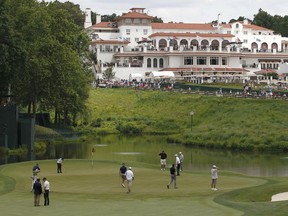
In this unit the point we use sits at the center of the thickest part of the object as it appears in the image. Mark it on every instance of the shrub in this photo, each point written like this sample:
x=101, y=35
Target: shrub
x=129, y=128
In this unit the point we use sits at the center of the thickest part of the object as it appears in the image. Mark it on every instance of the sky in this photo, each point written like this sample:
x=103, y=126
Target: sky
x=188, y=11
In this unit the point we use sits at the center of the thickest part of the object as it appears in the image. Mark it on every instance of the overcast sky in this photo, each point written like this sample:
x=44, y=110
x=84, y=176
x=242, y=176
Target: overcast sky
x=188, y=11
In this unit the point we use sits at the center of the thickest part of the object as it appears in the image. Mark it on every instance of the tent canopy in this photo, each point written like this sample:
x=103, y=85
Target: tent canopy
x=161, y=74
x=136, y=76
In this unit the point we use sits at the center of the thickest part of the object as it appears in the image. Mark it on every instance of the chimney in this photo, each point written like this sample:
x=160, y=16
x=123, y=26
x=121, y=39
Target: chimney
x=88, y=20
x=98, y=18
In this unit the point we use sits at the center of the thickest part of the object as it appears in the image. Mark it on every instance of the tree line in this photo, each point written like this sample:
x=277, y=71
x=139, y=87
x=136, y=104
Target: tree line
x=44, y=58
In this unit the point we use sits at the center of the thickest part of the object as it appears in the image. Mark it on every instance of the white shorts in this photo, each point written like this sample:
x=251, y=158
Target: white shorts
x=163, y=161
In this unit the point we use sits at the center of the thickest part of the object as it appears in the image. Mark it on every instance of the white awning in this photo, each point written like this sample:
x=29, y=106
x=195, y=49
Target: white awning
x=136, y=76
x=161, y=74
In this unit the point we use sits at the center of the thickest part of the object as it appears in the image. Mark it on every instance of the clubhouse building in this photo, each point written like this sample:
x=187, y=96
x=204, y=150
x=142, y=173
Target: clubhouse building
x=138, y=49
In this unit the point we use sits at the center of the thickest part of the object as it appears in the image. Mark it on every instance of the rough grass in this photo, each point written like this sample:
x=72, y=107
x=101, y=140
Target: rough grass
x=218, y=122
x=85, y=190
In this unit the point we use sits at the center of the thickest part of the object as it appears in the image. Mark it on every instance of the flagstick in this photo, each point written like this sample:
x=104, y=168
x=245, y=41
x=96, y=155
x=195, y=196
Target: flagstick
x=93, y=150
x=92, y=159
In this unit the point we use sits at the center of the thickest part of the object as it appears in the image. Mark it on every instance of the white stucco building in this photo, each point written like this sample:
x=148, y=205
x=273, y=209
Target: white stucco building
x=192, y=51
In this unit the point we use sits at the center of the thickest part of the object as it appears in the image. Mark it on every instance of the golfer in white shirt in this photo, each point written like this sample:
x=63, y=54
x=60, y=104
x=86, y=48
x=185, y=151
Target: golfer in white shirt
x=129, y=178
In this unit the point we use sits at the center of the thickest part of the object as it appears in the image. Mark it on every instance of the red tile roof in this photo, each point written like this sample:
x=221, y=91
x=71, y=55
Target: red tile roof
x=104, y=25
x=249, y=25
x=135, y=15
x=204, y=35
x=109, y=42
x=192, y=26
x=193, y=69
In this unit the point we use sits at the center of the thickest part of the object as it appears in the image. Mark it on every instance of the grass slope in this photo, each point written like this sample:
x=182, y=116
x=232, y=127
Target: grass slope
x=85, y=190
x=247, y=124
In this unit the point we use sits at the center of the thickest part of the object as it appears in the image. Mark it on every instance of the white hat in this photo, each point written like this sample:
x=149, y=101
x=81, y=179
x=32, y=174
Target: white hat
x=175, y=155
x=130, y=168
x=180, y=152
x=214, y=166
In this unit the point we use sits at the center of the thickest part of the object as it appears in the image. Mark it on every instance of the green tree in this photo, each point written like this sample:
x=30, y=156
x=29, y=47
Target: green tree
x=12, y=54
x=108, y=74
x=74, y=14
x=262, y=18
x=157, y=20
x=55, y=75
x=109, y=18
x=240, y=18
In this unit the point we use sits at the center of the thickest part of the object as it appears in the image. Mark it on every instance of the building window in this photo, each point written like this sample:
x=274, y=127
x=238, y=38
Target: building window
x=155, y=63
x=128, y=21
x=161, y=63
x=214, y=60
x=228, y=32
x=148, y=63
x=237, y=25
x=245, y=41
x=201, y=60
x=245, y=32
x=128, y=31
x=137, y=21
x=107, y=48
x=145, y=31
x=144, y=20
x=188, y=60
x=224, y=61
x=136, y=39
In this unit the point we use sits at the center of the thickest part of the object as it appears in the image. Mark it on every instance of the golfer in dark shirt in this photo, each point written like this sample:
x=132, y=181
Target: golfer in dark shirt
x=37, y=187
x=172, y=176
x=122, y=172
x=163, y=157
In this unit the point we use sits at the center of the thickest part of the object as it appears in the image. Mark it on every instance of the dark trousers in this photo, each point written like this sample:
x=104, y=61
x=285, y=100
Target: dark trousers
x=46, y=197
x=59, y=168
x=178, y=169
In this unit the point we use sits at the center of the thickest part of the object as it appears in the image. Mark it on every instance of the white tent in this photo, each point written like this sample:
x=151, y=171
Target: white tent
x=135, y=76
x=283, y=68
x=161, y=75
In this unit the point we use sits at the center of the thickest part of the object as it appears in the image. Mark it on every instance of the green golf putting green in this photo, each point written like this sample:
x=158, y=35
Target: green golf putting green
x=83, y=189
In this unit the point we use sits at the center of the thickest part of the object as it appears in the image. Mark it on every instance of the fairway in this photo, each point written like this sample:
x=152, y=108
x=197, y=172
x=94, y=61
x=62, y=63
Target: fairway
x=85, y=190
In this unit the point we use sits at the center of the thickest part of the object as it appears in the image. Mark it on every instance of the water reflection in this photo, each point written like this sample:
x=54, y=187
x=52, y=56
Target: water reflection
x=146, y=150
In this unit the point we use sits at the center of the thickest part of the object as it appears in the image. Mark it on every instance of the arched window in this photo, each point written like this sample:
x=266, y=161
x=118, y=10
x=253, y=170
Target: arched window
x=184, y=43
x=215, y=45
x=193, y=43
x=254, y=45
x=274, y=46
x=162, y=44
x=264, y=47
x=148, y=63
x=155, y=63
x=204, y=44
x=161, y=63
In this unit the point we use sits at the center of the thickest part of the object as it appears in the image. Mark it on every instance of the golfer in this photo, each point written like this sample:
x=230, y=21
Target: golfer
x=59, y=165
x=172, y=176
x=214, y=177
x=129, y=178
x=122, y=172
x=163, y=157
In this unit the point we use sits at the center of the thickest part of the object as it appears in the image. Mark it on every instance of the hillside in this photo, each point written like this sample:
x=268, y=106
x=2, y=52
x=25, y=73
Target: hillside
x=218, y=122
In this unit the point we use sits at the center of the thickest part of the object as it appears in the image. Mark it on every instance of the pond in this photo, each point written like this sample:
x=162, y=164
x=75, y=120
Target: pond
x=146, y=149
